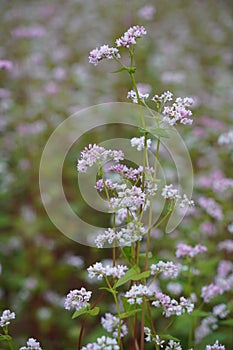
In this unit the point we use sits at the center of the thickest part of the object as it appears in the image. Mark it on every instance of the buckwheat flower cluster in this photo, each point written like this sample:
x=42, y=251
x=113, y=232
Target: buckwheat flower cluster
x=149, y=338
x=168, y=269
x=103, y=343
x=183, y=249
x=100, y=184
x=169, y=192
x=132, y=232
x=132, y=198
x=104, y=51
x=111, y=323
x=226, y=138
x=220, y=311
x=136, y=293
x=210, y=291
x=32, y=344
x=98, y=270
x=216, y=346
x=6, y=317
x=77, y=299
x=133, y=96
x=171, y=306
x=95, y=154
x=139, y=142
x=165, y=97
x=211, y=207
x=172, y=345
x=178, y=112
x=125, y=172
x=207, y=326
x=130, y=37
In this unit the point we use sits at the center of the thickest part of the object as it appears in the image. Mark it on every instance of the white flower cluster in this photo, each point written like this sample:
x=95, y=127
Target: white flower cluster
x=168, y=269
x=166, y=96
x=171, y=306
x=132, y=232
x=155, y=339
x=226, y=138
x=169, y=192
x=32, y=344
x=136, y=293
x=133, y=96
x=98, y=270
x=172, y=345
x=111, y=323
x=131, y=198
x=95, y=154
x=139, y=142
x=216, y=346
x=103, y=343
x=77, y=299
x=104, y=51
x=7, y=315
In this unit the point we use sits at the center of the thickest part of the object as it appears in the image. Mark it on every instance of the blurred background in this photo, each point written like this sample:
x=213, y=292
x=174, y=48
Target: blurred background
x=188, y=50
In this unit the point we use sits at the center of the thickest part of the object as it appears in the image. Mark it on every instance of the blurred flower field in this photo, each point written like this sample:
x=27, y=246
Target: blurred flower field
x=45, y=77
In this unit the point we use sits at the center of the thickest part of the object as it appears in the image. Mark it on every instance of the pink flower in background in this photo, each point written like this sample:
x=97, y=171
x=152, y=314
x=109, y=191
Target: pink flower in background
x=147, y=12
x=29, y=32
x=183, y=249
x=211, y=207
x=6, y=64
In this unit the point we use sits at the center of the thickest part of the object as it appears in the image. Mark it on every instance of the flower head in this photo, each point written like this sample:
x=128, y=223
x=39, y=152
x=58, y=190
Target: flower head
x=104, y=51
x=32, y=344
x=77, y=299
x=130, y=37
x=7, y=315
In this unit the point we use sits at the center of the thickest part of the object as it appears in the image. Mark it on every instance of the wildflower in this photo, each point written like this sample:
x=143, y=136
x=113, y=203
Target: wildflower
x=155, y=339
x=6, y=64
x=208, y=228
x=220, y=310
x=147, y=12
x=168, y=269
x=95, y=154
x=226, y=245
x=166, y=96
x=124, y=171
x=130, y=37
x=226, y=138
x=133, y=96
x=132, y=232
x=103, y=343
x=183, y=249
x=174, y=288
x=210, y=291
x=172, y=345
x=32, y=344
x=211, y=207
x=171, y=306
x=136, y=293
x=7, y=315
x=169, y=192
x=186, y=202
x=104, y=51
x=77, y=299
x=29, y=32
x=111, y=324
x=178, y=112
x=147, y=332
x=132, y=198
x=139, y=142
x=216, y=346
x=98, y=270
x=224, y=268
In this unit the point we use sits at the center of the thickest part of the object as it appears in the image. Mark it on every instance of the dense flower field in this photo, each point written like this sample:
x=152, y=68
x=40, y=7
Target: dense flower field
x=166, y=279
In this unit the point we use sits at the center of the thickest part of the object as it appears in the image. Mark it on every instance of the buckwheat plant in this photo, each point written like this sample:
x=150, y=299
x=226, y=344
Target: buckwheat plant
x=131, y=278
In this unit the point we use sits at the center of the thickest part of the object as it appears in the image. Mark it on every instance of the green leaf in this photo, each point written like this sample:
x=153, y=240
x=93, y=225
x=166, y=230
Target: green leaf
x=141, y=275
x=199, y=313
x=80, y=312
x=226, y=322
x=168, y=337
x=129, y=313
x=95, y=311
x=5, y=337
x=158, y=132
x=128, y=276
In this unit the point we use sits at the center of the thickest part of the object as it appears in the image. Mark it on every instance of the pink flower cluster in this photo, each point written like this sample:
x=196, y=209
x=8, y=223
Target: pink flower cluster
x=168, y=269
x=179, y=111
x=183, y=249
x=5, y=64
x=216, y=346
x=130, y=36
x=211, y=207
x=95, y=154
x=104, y=51
x=216, y=181
x=171, y=306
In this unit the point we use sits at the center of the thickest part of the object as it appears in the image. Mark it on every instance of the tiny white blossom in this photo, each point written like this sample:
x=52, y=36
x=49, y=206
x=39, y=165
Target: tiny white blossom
x=77, y=299
x=32, y=344
x=6, y=317
x=139, y=142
